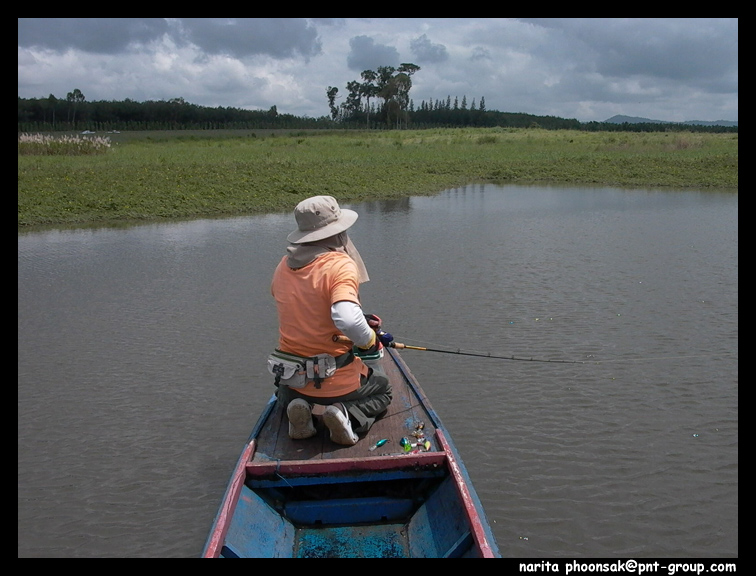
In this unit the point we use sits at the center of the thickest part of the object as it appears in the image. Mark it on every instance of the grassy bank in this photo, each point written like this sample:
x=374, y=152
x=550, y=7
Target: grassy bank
x=168, y=175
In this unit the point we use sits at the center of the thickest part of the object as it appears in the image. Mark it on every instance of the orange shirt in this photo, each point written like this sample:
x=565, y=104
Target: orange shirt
x=304, y=297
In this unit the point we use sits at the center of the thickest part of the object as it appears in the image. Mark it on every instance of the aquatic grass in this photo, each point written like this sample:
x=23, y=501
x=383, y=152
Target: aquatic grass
x=159, y=176
x=488, y=139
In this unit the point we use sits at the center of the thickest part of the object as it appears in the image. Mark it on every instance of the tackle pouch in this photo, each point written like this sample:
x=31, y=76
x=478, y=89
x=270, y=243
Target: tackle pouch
x=320, y=367
x=295, y=371
x=289, y=369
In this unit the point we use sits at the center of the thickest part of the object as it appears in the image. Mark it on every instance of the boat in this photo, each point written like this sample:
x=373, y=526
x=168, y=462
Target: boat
x=401, y=492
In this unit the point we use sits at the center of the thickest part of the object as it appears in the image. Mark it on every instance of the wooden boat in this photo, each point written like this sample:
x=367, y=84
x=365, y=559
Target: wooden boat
x=410, y=497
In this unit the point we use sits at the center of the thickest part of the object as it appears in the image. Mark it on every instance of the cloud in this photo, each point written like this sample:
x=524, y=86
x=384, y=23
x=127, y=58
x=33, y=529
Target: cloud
x=242, y=37
x=94, y=35
x=367, y=54
x=237, y=37
x=586, y=68
x=678, y=49
x=427, y=52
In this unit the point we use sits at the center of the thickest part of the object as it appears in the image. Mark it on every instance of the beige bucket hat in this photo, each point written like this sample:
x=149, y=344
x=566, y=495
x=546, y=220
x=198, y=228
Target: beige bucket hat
x=320, y=217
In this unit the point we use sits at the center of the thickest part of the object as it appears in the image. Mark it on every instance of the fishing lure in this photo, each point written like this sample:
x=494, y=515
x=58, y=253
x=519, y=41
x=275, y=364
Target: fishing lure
x=378, y=444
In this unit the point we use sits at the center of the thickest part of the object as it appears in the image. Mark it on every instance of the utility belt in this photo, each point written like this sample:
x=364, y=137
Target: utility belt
x=295, y=371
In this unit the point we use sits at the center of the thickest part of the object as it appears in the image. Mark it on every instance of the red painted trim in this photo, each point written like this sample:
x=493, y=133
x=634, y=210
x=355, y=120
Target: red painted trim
x=337, y=465
x=228, y=506
x=476, y=525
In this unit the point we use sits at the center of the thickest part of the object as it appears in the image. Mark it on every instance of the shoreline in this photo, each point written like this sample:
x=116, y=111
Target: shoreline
x=143, y=179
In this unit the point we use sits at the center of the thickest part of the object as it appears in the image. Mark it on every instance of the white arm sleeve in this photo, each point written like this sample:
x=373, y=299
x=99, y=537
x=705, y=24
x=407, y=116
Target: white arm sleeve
x=349, y=318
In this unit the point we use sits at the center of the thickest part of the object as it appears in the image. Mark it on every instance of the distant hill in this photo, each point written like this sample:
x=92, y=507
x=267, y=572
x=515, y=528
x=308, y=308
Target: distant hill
x=636, y=120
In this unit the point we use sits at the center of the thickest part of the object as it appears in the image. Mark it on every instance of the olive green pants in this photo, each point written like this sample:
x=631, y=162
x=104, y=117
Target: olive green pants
x=364, y=405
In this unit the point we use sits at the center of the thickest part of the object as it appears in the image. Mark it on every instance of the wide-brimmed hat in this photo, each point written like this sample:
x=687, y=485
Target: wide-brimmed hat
x=320, y=217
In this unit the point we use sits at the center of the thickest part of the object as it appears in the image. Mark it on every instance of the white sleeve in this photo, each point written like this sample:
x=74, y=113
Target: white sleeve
x=348, y=317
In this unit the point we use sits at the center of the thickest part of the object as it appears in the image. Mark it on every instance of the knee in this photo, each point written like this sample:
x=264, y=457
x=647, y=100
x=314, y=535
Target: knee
x=381, y=382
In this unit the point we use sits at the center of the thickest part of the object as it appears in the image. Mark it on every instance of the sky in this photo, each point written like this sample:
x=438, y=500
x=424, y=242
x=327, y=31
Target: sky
x=589, y=69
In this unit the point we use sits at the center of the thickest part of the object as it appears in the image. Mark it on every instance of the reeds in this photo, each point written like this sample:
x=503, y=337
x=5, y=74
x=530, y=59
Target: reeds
x=44, y=145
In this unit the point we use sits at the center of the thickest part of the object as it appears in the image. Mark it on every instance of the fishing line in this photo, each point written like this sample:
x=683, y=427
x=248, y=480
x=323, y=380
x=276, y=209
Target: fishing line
x=401, y=346
x=650, y=358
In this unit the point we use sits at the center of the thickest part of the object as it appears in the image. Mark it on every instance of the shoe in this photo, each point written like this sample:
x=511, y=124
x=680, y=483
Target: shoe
x=300, y=419
x=337, y=420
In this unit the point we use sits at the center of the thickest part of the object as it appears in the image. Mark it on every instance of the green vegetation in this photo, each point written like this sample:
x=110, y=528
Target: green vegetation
x=163, y=175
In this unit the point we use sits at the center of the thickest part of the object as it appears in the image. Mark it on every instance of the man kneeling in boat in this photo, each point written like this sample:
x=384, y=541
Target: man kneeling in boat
x=316, y=289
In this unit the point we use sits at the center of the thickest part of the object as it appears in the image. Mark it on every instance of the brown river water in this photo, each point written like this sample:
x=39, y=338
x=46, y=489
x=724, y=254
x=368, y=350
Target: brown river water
x=141, y=366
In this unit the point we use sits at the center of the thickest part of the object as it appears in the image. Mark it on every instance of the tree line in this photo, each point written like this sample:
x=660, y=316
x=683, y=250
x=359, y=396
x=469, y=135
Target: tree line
x=372, y=104
x=78, y=114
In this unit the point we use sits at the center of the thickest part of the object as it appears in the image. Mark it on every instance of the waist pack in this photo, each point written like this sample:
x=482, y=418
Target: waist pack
x=295, y=371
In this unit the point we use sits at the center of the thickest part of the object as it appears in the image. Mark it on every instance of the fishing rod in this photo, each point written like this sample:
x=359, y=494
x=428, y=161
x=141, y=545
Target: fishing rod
x=400, y=346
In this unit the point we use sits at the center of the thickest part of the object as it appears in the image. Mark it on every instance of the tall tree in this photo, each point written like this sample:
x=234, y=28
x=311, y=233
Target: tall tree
x=409, y=68
x=52, y=102
x=75, y=98
x=331, y=92
x=398, y=90
x=403, y=85
x=368, y=89
x=353, y=99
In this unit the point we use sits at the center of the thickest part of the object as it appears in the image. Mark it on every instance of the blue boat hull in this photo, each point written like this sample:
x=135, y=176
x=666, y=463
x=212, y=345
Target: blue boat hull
x=289, y=500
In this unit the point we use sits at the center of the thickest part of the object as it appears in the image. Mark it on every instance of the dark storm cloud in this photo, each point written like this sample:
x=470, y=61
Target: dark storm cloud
x=97, y=35
x=240, y=37
x=702, y=51
x=366, y=54
x=427, y=52
x=689, y=54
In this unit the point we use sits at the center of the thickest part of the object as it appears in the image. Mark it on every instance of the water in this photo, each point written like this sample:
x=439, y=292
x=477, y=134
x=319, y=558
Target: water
x=141, y=366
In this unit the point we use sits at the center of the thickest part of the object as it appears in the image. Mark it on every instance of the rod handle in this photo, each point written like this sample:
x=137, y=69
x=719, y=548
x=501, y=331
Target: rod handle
x=397, y=345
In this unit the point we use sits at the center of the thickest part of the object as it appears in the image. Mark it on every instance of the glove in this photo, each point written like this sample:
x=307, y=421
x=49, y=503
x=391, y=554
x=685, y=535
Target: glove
x=375, y=323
